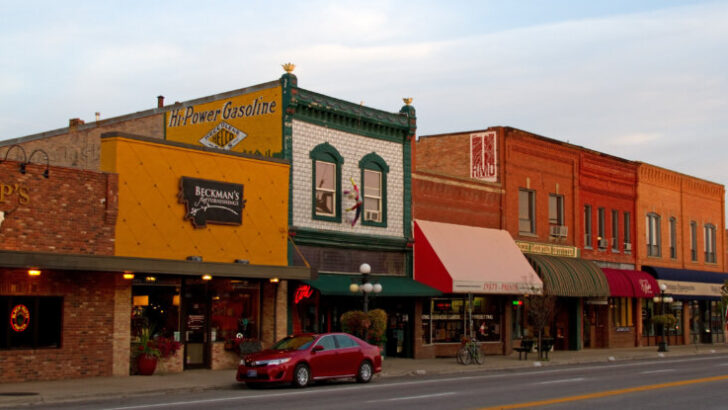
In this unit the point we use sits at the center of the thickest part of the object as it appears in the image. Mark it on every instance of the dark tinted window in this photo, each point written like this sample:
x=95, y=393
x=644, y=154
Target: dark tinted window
x=345, y=341
x=30, y=322
x=327, y=342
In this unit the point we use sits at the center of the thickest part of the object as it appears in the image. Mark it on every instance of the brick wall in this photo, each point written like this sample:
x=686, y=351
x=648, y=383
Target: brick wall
x=671, y=194
x=80, y=146
x=72, y=211
x=88, y=326
x=274, y=316
x=454, y=200
x=611, y=184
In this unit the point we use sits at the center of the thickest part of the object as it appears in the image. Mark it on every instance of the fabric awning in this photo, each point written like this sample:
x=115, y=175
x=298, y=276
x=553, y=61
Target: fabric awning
x=630, y=283
x=687, y=284
x=467, y=259
x=571, y=277
x=338, y=284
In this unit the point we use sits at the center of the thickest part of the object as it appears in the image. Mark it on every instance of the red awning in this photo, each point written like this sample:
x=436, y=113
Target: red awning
x=468, y=259
x=630, y=283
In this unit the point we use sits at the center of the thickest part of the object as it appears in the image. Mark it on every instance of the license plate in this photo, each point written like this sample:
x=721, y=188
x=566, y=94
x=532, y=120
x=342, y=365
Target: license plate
x=252, y=373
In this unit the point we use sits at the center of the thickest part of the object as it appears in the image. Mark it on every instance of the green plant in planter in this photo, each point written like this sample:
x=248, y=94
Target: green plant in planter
x=667, y=319
x=147, y=345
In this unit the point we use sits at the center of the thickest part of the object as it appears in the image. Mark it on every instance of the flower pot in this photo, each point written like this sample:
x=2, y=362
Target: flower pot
x=146, y=364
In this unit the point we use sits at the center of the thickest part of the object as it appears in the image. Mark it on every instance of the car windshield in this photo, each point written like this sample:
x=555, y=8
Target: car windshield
x=294, y=343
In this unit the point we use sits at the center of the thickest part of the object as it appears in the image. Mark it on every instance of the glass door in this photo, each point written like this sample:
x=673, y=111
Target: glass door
x=196, y=325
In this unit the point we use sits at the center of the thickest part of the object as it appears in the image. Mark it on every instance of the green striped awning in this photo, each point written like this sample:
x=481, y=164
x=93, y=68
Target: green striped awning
x=570, y=277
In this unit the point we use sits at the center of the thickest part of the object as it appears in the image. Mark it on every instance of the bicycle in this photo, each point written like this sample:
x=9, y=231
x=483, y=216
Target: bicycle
x=470, y=352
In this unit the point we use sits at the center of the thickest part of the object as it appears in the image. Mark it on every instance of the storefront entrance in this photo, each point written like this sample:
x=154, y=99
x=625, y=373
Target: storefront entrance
x=195, y=326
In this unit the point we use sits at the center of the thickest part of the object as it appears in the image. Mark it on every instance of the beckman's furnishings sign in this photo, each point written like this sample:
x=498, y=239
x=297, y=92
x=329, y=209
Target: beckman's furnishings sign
x=212, y=202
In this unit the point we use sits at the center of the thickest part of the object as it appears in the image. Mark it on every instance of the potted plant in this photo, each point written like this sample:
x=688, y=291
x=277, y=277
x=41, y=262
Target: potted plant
x=147, y=352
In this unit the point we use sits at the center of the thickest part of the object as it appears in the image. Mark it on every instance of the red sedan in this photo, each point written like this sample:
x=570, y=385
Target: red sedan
x=302, y=359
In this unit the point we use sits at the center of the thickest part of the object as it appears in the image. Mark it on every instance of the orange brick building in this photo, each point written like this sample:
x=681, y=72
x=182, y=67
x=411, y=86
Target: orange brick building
x=572, y=209
x=680, y=239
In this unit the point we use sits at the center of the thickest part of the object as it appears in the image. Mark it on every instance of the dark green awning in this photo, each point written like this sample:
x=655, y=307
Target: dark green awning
x=571, y=277
x=338, y=284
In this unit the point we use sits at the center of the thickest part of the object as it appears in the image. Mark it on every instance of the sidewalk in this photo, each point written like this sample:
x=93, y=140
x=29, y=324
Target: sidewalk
x=19, y=394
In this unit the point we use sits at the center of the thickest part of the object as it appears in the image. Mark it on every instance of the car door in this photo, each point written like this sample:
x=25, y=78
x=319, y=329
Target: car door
x=349, y=356
x=324, y=358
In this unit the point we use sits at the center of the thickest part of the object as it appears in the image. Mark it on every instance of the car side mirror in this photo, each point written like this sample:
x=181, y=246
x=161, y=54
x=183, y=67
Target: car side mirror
x=317, y=348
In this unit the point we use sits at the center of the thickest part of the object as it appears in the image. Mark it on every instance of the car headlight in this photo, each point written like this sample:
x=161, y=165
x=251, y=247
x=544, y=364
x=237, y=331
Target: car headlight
x=273, y=362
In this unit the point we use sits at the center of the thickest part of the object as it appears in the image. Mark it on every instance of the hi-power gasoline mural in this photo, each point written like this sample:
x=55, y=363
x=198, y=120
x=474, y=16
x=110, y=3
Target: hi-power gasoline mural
x=249, y=123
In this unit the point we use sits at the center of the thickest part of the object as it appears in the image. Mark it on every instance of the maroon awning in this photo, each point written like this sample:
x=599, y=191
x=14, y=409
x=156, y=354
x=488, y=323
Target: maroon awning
x=630, y=283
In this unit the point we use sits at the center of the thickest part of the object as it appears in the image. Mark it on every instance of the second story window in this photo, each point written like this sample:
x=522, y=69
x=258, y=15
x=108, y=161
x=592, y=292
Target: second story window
x=526, y=211
x=374, y=190
x=556, y=209
x=710, y=243
x=673, y=238
x=693, y=241
x=601, y=237
x=588, y=226
x=627, y=232
x=652, y=232
x=325, y=188
x=326, y=180
x=615, y=231
x=372, y=196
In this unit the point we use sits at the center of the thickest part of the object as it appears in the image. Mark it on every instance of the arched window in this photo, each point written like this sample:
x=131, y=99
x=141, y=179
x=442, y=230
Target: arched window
x=326, y=191
x=374, y=190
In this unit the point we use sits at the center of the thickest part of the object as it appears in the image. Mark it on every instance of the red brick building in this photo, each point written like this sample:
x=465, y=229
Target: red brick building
x=63, y=322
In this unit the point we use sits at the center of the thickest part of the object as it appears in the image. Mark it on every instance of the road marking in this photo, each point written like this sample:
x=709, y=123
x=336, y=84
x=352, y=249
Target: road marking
x=414, y=397
x=657, y=371
x=607, y=393
x=576, y=379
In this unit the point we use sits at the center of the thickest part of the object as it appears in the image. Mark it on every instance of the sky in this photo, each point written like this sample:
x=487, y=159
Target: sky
x=642, y=80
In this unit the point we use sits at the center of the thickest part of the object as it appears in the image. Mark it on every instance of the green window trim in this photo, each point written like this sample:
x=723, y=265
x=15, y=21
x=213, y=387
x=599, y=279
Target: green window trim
x=374, y=162
x=326, y=153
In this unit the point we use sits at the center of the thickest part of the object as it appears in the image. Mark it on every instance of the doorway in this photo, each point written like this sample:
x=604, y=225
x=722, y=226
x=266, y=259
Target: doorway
x=196, y=326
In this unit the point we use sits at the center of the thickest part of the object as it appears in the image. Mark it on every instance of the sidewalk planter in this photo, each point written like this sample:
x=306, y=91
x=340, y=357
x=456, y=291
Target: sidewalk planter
x=146, y=364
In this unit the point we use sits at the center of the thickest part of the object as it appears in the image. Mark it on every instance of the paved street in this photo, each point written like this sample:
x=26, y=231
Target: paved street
x=686, y=382
x=407, y=383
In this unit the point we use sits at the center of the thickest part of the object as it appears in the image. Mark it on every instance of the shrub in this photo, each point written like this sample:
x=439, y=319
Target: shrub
x=370, y=326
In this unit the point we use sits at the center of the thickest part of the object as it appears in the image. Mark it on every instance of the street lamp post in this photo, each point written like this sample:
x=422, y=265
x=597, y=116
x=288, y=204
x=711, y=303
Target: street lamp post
x=662, y=299
x=366, y=287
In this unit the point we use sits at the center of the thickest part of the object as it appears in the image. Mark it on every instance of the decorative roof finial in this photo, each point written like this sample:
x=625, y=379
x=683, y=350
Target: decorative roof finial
x=407, y=100
x=289, y=67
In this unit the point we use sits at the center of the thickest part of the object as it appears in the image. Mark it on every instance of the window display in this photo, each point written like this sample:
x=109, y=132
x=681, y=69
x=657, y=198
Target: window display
x=235, y=313
x=447, y=320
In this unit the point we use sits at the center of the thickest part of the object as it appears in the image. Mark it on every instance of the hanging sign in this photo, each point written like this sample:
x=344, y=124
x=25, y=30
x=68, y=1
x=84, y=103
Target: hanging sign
x=19, y=318
x=212, y=201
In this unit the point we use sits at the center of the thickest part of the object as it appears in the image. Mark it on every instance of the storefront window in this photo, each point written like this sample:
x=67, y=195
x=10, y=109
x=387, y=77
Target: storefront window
x=447, y=320
x=648, y=311
x=30, y=322
x=622, y=312
x=235, y=310
x=156, y=306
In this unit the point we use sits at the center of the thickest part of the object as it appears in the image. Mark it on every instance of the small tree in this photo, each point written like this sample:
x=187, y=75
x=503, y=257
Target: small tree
x=541, y=309
x=370, y=326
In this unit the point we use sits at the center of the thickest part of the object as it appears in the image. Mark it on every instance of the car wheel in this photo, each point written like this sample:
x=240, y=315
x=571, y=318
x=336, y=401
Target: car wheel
x=301, y=375
x=364, y=375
